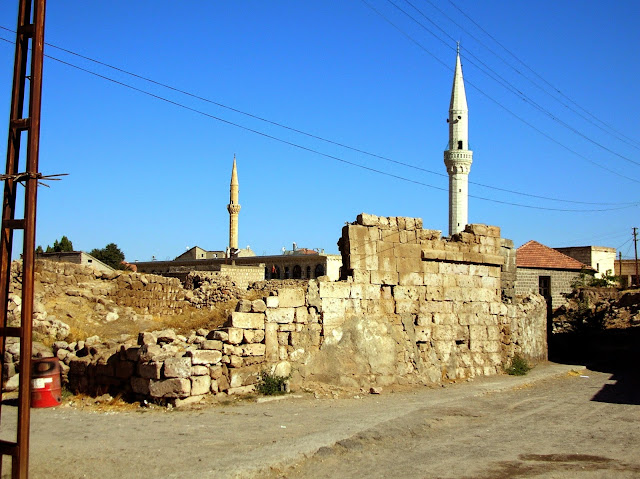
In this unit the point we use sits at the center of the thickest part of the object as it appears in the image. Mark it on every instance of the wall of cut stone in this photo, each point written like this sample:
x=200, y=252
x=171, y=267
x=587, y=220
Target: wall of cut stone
x=561, y=280
x=415, y=308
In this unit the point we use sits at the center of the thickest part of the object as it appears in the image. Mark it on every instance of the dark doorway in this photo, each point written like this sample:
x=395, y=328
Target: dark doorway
x=297, y=272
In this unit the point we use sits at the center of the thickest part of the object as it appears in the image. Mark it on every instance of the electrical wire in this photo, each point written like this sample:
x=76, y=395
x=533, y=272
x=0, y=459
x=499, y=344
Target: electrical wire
x=342, y=145
x=609, y=130
x=467, y=82
x=311, y=150
x=491, y=73
x=541, y=78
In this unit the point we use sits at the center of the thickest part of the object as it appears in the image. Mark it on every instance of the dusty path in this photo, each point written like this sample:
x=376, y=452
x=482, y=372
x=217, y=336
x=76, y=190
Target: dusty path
x=542, y=425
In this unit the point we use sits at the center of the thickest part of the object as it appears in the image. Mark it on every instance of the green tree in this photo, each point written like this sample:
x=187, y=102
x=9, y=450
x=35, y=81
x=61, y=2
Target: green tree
x=64, y=245
x=39, y=250
x=109, y=255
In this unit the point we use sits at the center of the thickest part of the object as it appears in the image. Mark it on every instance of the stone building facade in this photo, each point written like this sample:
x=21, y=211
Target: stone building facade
x=546, y=271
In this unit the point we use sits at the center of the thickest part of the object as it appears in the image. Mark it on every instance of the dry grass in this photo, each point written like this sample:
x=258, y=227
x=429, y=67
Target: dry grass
x=193, y=319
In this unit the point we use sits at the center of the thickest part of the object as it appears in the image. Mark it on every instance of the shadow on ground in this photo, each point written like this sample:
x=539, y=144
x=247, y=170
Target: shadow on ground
x=614, y=351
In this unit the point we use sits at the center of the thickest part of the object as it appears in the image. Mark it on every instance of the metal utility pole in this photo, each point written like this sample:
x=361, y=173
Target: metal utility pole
x=29, y=36
x=635, y=246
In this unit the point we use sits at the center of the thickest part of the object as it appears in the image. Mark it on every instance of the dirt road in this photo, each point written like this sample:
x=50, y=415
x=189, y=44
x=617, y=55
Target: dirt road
x=551, y=423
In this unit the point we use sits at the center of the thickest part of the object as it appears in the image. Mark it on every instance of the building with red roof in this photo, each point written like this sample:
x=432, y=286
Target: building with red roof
x=547, y=271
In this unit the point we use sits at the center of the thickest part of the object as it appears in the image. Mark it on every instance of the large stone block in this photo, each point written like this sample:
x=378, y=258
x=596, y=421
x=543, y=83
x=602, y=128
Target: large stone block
x=384, y=277
x=408, y=264
x=177, y=367
x=301, y=315
x=253, y=335
x=404, y=306
x=247, y=320
x=200, y=385
x=272, y=301
x=445, y=318
x=368, y=262
x=366, y=219
x=170, y=388
x=280, y=315
x=256, y=349
x=335, y=290
x=412, y=293
x=206, y=356
x=372, y=291
x=271, y=341
x=244, y=376
x=411, y=279
x=423, y=333
x=140, y=385
x=211, y=344
x=291, y=298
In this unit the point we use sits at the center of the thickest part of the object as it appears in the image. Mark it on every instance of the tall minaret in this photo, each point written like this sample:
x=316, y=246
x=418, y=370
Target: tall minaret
x=458, y=156
x=234, y=208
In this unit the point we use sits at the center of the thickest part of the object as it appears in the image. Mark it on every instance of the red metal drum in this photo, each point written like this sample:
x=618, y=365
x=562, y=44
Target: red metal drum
x=45, y=382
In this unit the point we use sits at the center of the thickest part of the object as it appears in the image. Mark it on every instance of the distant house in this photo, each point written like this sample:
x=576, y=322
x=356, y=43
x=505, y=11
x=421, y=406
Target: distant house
x=75, y=257
x=600, y=258
x=626, y=270
x=547, y=271
x=199, y=253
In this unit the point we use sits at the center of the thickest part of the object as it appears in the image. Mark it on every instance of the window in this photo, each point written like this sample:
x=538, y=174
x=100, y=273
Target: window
x=544, y=286
x=459, y=144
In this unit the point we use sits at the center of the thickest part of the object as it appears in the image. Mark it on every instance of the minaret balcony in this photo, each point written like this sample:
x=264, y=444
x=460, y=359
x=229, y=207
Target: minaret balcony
x=458, y=155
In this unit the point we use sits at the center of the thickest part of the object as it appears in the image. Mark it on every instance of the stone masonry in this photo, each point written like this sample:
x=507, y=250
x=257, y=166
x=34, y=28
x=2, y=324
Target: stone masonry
x=413, y=308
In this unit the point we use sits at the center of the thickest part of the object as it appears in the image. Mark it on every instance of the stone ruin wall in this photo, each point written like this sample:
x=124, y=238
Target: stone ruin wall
x=413, y=308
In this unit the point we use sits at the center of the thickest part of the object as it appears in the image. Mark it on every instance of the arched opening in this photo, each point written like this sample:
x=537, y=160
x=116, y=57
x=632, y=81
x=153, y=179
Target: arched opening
x=308, y=272
x=319, y=271
x=275, y=272
x=297, y=272
x=287, y=273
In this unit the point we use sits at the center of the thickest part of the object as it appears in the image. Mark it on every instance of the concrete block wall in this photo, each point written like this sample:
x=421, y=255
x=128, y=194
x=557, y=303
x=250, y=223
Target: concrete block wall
x=561, y=280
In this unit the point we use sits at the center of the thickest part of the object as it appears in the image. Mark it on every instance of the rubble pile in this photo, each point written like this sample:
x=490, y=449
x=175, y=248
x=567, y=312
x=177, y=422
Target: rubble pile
x=208, y=288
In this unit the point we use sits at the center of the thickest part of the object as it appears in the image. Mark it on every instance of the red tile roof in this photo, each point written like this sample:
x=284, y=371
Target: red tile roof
x=535, y=255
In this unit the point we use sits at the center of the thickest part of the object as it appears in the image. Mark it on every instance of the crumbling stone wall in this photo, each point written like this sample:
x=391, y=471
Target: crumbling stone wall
x=149, y=293
x=414, y=308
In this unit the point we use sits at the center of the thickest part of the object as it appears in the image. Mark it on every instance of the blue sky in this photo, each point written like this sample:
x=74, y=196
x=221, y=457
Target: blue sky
x=153, y=177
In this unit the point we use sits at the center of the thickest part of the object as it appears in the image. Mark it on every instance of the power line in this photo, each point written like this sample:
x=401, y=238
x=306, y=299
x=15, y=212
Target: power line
x=467, y=82
x=281, y=125
x=541, y=78
x=617, y=135
x=508, y=85
x=311, y=150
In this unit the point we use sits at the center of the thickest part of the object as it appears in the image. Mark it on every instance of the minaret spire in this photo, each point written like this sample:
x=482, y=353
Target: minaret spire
x=458, y=157
x=233, y=208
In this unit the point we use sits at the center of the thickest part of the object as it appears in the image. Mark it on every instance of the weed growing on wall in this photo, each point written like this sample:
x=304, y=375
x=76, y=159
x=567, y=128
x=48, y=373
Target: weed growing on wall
x=518, y=367
x=272, y=384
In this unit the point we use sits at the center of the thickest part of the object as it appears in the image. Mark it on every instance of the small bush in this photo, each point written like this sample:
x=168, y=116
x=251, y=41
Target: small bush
x=519, y=366
x=271, y=384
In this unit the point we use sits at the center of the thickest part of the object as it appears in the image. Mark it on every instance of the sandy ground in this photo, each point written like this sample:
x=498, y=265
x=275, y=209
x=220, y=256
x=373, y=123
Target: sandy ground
x=558, y=421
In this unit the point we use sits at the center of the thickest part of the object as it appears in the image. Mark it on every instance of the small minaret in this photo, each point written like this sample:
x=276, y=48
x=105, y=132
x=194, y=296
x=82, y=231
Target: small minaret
x=234, y=208
x=458, y=157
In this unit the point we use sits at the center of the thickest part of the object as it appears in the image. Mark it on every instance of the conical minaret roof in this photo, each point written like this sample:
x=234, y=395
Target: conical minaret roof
x=234, y=172
x=458, y=95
